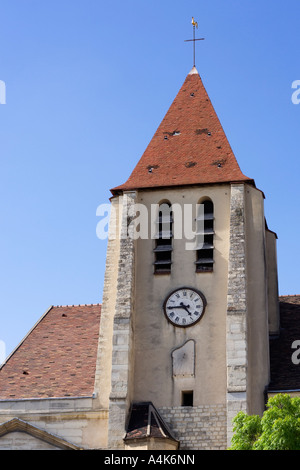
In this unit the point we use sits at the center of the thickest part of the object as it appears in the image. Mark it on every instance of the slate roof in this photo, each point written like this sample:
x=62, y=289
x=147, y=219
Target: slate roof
x=285, y=375
x=189, y=146
x=145, y=421
x=57, y=358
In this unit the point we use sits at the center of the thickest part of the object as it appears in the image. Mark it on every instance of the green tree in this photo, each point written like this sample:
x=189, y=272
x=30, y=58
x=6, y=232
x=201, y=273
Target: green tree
x=277, y=429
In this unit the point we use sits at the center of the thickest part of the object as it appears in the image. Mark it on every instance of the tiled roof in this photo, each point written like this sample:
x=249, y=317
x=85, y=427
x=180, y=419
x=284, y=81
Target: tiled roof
x=189, y=146
x=285, y=375
x=57, y=358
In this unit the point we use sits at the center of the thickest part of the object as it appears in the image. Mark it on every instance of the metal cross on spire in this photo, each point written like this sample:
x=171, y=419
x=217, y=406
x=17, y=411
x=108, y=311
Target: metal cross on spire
x=195, y=25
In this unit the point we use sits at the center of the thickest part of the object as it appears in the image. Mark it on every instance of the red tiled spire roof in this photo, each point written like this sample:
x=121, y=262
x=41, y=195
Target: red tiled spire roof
x=189, y=146
x=57, y=358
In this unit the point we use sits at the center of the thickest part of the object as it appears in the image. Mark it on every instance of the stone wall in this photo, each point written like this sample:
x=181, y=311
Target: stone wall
x=104, y=354
x=76, y=420
x=23, y=441
x=236, y=343
x=122, y=353
x=199, y=427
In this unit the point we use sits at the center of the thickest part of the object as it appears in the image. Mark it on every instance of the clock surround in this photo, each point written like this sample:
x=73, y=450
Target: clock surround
x=184, y=306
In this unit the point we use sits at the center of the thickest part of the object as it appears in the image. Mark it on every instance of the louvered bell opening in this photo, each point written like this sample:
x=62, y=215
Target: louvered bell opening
x=205, y=260
x=163, y=247
x=205, y=220
x=163, y=256
x=205, y=232
x=205, y=254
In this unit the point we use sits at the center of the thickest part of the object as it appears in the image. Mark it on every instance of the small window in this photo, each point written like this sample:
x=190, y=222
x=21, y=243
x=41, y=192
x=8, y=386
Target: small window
x=205, y=232
x=163, y=246
x=187, y=398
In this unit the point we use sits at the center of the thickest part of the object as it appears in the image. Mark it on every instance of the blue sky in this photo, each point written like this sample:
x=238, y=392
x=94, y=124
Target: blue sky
x=87, y=84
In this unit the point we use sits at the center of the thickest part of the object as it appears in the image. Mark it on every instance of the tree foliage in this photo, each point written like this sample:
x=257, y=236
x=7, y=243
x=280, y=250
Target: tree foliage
x=277, y=429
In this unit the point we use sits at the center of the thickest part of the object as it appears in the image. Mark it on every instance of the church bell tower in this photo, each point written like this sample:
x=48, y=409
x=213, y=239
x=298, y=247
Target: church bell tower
x=185, y=319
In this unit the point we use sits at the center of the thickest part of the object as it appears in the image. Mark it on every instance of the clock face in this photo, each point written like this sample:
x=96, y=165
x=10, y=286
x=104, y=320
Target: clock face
x=184, y=307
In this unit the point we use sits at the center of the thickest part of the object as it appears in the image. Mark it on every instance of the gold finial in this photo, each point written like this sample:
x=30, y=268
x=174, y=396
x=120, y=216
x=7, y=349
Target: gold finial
x=194, y=23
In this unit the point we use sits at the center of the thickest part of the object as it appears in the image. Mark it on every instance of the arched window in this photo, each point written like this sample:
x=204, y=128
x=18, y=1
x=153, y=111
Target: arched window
x=163, y=245
x=205, y=237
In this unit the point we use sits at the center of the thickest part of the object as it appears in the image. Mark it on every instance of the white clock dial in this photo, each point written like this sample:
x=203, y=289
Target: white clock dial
x=184, y=307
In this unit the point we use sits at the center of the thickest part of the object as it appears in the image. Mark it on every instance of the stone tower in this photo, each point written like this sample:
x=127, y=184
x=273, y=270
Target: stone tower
x=185, y=323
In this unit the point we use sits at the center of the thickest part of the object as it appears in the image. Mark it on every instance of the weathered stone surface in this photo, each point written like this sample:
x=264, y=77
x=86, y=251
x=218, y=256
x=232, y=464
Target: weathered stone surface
x=236, y=343
x=183, y=360
x=122, y=353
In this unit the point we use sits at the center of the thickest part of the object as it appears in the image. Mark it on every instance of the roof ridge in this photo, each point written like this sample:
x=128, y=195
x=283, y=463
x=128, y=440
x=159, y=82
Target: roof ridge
x=77, y=305
x=290, y=295
x=26, y=336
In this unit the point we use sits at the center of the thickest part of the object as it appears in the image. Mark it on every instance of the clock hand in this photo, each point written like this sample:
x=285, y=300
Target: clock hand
x=175, y=306
x=185, y=307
